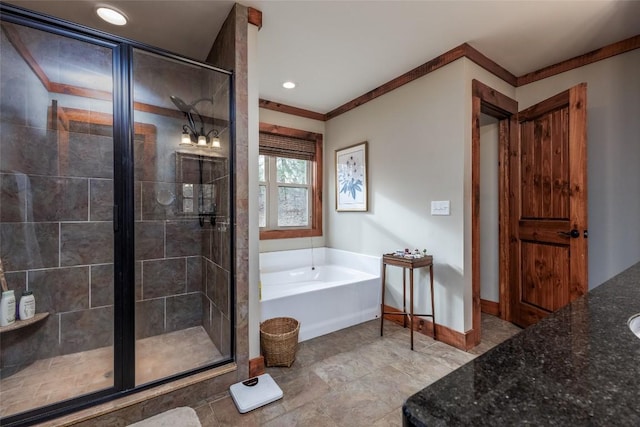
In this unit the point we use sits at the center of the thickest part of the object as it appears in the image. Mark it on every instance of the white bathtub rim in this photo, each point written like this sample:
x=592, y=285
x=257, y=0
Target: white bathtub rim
x=297, y=258
x=311, y=286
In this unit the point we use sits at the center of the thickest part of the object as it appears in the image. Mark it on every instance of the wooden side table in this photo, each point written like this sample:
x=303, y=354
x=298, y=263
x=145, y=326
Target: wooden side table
x=410, y=264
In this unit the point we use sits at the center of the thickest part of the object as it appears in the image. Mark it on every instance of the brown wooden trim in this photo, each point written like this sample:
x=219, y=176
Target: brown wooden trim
x=317, y=180
x=424, y=325
x=501, y=104
x=476, y=103
x=285, y=131
x=420, y=71
x=489, y=65
x=489, y=101
x=289, y=234
x=167, y=112
x=105, y=119
x=23, y=50
x=555, y=102
x=514, y=217
x=579, y=195
x=256, y=366
x=464, y=50
x=467, y=51
x=86, y=116
x=254, y=16
x=80, y=91
x=53, y=87
x=504, y=139
x=582, y=60
x=490, y=307
x=288, y=109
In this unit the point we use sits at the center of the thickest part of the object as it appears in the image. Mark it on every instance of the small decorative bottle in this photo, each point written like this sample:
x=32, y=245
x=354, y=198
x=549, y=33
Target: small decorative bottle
x=7, y=308
x=27, y=306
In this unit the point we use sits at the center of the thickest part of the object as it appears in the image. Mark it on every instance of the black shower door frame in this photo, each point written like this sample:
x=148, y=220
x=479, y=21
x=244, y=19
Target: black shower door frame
x=123, y=211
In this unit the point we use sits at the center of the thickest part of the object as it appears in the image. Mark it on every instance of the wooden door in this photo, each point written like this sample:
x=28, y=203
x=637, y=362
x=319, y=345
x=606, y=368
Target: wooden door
x=548, y=192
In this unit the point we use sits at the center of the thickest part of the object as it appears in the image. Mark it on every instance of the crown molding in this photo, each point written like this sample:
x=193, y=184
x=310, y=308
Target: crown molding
x=464, y=51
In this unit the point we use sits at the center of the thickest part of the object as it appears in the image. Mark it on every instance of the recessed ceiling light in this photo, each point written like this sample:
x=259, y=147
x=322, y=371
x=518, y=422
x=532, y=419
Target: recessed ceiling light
x=111, y=15
x=288, y=85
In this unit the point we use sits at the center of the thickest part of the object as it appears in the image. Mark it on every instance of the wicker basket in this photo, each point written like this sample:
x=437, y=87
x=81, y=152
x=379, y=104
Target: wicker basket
x=279, y=340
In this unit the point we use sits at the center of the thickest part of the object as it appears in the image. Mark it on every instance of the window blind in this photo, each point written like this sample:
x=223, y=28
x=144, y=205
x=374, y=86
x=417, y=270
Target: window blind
x=286, y=146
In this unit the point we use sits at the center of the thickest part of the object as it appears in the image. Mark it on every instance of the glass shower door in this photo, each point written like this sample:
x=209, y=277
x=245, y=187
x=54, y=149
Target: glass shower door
x=182, y=234
x=124, y=238
x=56, y=226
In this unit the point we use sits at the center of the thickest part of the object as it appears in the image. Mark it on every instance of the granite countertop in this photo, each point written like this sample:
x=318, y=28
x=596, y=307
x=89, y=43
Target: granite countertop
x=579, y=366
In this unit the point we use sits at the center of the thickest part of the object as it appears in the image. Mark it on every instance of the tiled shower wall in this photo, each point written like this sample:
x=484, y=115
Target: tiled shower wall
x=56, y=234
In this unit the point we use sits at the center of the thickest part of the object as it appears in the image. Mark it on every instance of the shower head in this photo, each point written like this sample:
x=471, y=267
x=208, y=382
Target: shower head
x=182, y=106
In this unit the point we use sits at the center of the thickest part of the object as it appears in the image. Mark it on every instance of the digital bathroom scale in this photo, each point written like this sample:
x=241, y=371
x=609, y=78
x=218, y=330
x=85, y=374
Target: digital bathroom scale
x=255, y=392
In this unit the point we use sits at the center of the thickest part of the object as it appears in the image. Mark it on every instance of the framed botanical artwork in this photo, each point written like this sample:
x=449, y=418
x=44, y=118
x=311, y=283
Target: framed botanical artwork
x=351, y=178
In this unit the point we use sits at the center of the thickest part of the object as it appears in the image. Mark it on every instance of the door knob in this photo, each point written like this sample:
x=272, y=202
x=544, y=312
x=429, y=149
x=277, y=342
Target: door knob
x=573, y=233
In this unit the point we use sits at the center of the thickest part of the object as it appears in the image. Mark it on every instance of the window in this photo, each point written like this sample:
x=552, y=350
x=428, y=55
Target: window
x=290, y=174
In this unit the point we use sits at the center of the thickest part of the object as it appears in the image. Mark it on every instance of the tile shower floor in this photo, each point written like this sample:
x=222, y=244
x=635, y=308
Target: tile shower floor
x=354, y=377
x=58, y=378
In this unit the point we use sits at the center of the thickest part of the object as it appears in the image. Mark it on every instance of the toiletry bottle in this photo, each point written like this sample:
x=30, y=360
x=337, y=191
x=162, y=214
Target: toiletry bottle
x=7, y=308
x=27, y=306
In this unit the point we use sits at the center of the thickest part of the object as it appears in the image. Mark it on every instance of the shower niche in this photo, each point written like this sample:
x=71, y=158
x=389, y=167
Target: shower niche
x=119, y=226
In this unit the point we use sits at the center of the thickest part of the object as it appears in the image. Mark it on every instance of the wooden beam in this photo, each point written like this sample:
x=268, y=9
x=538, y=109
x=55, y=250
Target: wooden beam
x=255, y=17
x=489, y=65
x=466, y=50
x=288, y=109
x=416, y=73
x=494, y=100
x=80, y=91
x=15, y=40
x=582, y=60
x=294, y=133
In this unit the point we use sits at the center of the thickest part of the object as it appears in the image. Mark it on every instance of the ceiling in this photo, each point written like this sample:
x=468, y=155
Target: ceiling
x=338, y=50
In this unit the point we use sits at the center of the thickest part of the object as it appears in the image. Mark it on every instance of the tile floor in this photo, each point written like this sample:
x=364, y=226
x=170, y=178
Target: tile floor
x=51, y=380
x=348, y=378
x=354, y=377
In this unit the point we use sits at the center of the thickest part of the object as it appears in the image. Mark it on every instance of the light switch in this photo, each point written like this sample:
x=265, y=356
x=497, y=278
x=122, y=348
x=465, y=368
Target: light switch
x=440, y=207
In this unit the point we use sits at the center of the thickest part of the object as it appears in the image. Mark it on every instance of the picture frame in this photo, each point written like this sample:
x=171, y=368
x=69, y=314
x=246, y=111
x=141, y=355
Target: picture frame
x=351, y=178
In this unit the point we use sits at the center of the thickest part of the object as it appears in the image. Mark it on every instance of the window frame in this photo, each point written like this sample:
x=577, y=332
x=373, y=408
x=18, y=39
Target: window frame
x=273, y=186
x=315, y=185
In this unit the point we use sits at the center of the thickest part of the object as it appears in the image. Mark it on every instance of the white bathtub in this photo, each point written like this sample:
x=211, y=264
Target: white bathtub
x=324, y=289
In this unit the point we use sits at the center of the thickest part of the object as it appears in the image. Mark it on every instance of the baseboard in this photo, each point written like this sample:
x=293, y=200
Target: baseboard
x=490, y=307
x=424, y=325
x=256, y=366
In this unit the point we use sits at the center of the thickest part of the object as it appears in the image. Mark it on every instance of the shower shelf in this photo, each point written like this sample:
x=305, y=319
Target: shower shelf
x=22, y=323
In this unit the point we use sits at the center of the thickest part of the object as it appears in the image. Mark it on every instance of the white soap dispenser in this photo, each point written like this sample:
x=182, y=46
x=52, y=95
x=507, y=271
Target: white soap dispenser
x=7, y=308
x=27, y=306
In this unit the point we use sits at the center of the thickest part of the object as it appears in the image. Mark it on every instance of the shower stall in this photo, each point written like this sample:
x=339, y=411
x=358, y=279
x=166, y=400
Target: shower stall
x=115, y=211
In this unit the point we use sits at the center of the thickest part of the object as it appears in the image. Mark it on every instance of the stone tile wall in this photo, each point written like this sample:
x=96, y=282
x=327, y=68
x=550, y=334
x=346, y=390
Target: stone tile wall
x=56, y=233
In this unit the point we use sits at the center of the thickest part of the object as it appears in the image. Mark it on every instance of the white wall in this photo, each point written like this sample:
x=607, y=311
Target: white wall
x=416, y=154
x=489, y=244
x=310, y=125
x=420, y=150
x=613, y=132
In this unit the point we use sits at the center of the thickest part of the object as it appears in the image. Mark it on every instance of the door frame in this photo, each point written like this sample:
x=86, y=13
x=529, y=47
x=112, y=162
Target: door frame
x=495, y=104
